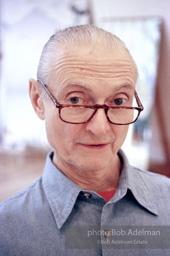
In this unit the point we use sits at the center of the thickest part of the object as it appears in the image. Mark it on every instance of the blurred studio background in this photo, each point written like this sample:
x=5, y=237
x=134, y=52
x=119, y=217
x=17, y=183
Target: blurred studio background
x=26, y=25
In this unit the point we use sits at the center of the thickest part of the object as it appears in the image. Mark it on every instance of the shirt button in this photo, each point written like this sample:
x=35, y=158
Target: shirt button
x=87, y=195
x=107, y=233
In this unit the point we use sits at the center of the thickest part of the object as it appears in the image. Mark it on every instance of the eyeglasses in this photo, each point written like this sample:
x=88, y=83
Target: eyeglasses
x=81, y=114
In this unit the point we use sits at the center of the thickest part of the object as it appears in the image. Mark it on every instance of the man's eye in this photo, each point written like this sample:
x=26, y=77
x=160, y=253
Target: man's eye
x=119, y=101
x=75, y=100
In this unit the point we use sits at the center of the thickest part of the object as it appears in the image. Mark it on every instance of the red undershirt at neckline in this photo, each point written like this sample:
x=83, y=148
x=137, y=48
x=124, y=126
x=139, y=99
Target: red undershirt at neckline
x=107, y=195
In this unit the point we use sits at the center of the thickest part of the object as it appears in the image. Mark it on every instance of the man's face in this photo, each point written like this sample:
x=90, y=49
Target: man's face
x=88, y=76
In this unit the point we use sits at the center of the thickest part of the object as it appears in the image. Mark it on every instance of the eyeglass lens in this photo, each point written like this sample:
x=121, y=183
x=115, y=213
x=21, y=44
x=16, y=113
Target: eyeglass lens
x=115, y=115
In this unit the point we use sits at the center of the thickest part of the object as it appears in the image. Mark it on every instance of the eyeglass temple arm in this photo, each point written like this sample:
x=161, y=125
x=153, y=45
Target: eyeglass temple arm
x=49, y=94
x=138, y=101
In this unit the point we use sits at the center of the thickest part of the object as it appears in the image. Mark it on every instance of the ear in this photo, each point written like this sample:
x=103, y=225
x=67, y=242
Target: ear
x=35, y=94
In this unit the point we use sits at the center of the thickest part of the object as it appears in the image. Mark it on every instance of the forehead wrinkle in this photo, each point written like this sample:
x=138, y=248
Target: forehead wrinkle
x=66, y=67
x=77, y=62
x=106, y=70
x=127, y=82
x=82, y=59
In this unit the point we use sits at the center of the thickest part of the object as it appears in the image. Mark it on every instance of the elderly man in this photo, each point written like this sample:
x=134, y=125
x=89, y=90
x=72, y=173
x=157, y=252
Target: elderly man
x=89, y=200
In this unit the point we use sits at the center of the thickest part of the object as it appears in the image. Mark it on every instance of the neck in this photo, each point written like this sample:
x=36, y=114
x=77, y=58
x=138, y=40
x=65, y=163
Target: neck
x=97, y=180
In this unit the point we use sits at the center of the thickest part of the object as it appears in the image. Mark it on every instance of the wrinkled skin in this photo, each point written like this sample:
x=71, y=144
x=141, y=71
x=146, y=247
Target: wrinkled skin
x=87, y=153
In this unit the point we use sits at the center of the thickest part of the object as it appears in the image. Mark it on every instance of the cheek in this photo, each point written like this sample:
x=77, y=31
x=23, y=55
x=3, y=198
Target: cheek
x=120, y=134
x=52, y=126
x=61, y=135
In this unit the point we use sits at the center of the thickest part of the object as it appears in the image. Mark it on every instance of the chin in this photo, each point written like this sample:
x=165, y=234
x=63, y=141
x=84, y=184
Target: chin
x=93, y=164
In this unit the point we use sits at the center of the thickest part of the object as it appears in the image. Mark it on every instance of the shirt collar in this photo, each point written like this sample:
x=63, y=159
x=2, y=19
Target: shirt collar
x=139, y=183
x=62, y=193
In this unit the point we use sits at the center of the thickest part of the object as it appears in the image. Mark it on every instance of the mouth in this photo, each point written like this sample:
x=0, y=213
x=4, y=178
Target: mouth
x=94, y=146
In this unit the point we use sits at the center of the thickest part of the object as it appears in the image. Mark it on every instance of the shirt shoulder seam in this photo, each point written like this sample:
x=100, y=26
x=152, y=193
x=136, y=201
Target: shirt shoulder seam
x=21, y=192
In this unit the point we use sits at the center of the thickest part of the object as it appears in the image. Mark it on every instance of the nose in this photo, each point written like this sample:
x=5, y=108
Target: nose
x=99, y=124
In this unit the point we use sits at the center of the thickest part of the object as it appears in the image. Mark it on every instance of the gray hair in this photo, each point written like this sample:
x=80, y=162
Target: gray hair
x=78, y=35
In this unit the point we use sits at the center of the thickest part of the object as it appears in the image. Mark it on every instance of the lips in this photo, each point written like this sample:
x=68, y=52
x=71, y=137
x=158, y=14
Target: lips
x=94, y=146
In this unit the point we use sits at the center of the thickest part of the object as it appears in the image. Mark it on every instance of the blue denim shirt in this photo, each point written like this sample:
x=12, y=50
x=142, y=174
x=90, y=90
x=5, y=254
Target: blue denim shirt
x=54, y=216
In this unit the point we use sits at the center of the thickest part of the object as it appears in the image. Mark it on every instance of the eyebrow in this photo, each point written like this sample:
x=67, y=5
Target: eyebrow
x=84, y=87
x=125, y=86
x=75, y=85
